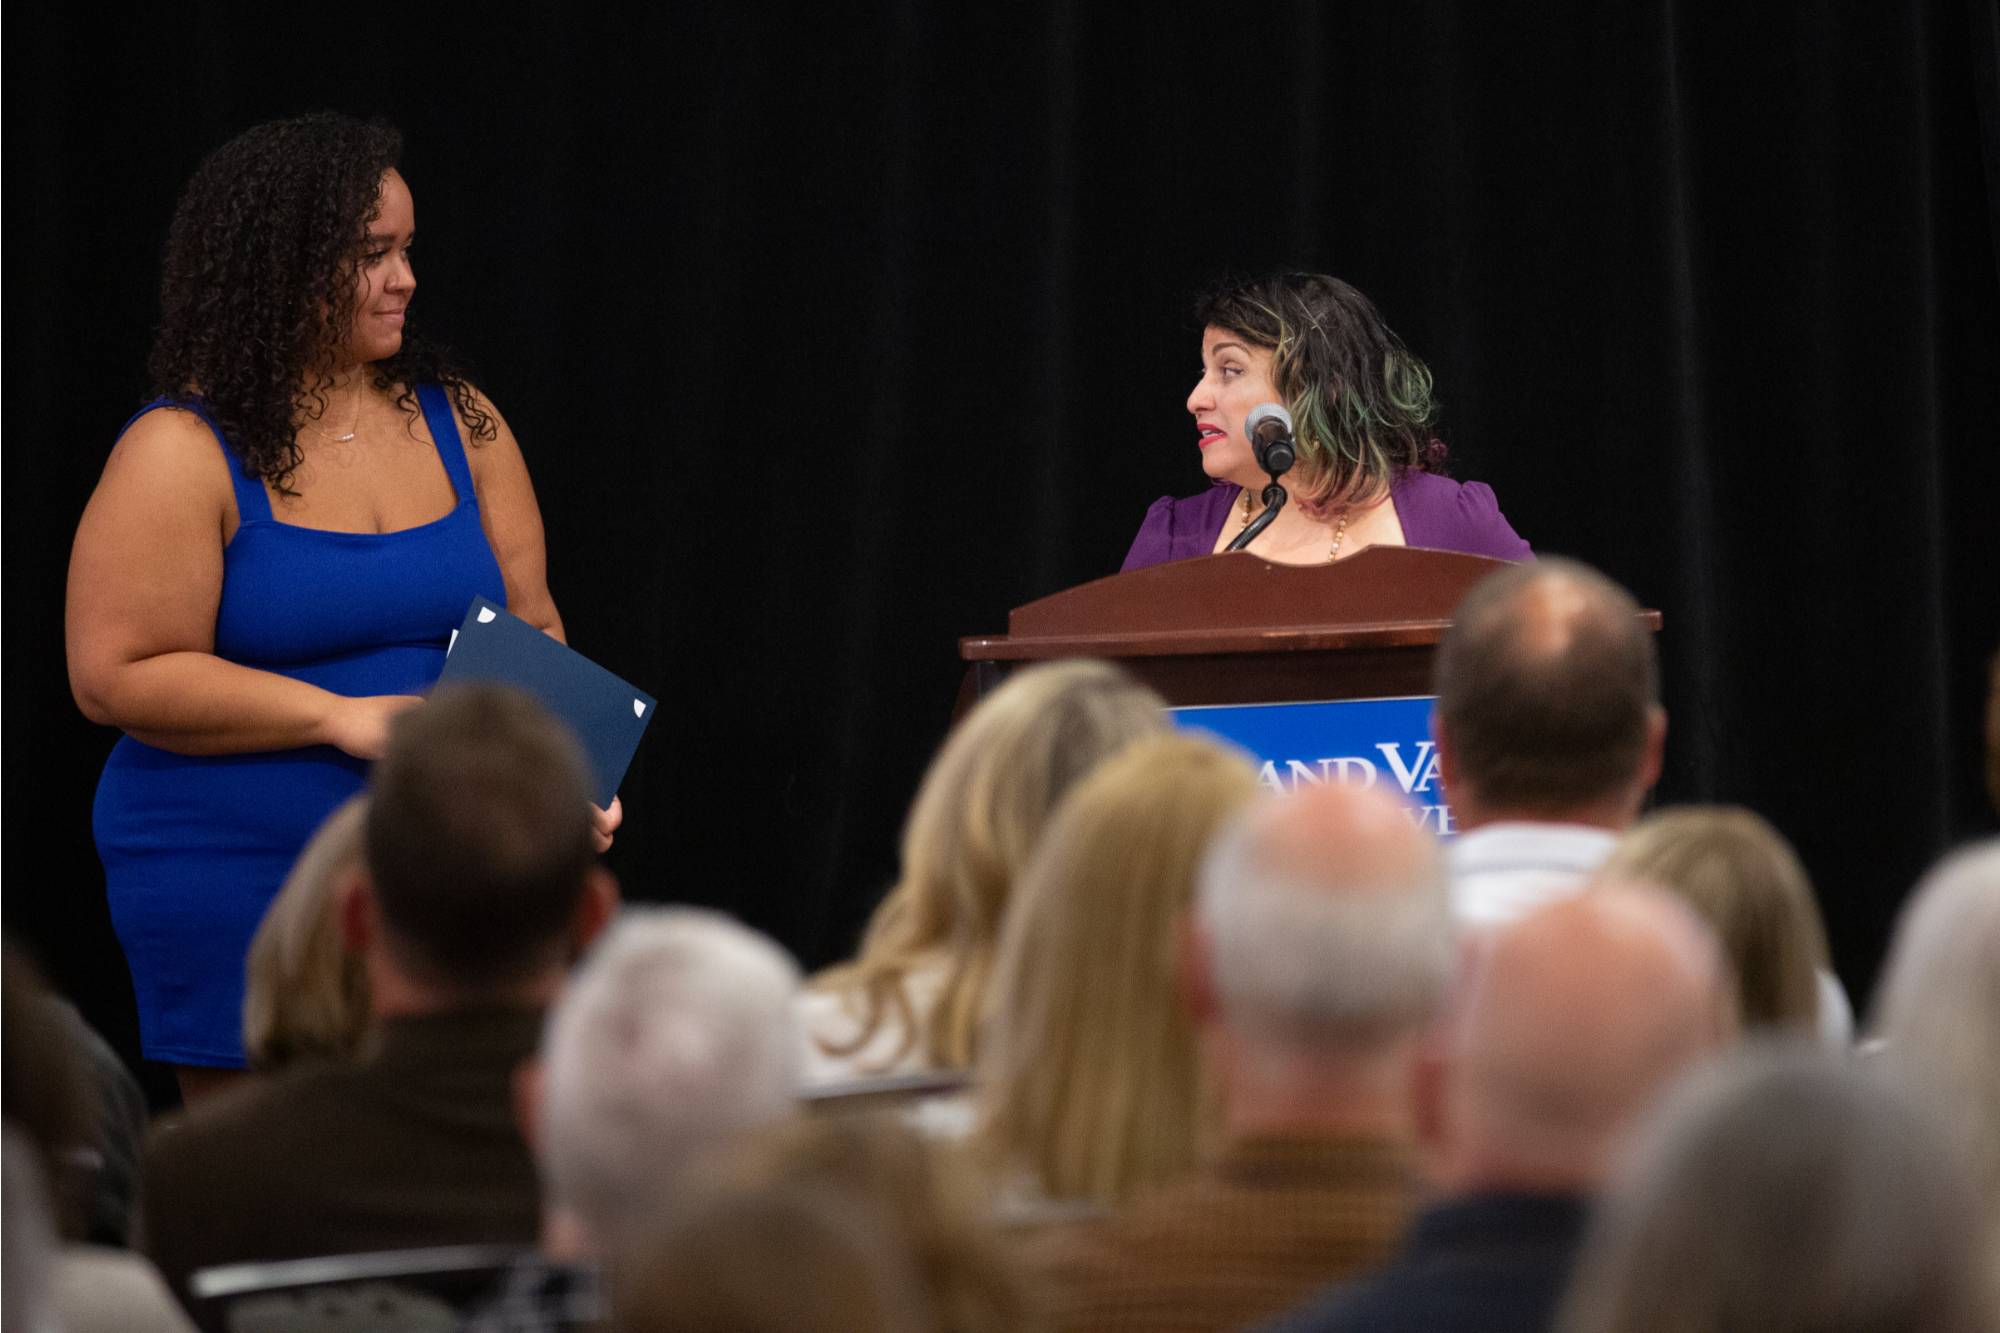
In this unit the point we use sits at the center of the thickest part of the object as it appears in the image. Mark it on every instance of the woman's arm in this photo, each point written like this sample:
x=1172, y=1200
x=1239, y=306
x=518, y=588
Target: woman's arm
x=513, y=522
x=145, y=578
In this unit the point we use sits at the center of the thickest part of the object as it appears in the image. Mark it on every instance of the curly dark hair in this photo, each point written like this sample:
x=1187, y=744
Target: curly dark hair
x=257, y=288
x=1362, y=403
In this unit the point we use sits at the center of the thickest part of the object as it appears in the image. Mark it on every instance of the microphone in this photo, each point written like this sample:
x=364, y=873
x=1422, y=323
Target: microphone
x=1269, y=427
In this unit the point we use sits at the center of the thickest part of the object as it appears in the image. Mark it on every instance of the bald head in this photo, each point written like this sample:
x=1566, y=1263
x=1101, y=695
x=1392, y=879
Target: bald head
x=1571, y=1024
x=1326, y=920
x=1548, y=692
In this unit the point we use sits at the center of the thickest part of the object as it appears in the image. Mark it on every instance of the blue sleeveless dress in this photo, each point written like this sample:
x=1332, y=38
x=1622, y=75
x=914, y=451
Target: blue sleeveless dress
x=195, y=847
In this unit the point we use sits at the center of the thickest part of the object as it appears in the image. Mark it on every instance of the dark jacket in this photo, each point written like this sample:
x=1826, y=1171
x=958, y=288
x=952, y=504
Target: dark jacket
x=415, y=1145
x=1490, y=1262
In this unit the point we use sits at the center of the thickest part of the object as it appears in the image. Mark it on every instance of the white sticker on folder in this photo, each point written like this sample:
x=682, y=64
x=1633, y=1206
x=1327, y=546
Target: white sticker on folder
x=485, y=615
x=638, y=708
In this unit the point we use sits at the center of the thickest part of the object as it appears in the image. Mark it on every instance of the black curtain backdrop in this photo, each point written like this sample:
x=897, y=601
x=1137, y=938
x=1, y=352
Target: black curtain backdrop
x=832, y=334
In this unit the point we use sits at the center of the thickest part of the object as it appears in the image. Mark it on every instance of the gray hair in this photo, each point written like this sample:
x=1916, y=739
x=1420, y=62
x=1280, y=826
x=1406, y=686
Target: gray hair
x=676, y=1034
x=1939, y=1008
x=1300, y=964
x=1784, y=1190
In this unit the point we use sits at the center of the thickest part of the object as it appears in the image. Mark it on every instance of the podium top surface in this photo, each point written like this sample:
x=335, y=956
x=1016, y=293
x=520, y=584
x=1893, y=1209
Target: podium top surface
x=1383, y=597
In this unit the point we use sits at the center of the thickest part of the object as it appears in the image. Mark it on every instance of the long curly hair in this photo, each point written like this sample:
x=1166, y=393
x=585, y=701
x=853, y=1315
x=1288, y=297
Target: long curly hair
x=257, y=291
x=1361, y=403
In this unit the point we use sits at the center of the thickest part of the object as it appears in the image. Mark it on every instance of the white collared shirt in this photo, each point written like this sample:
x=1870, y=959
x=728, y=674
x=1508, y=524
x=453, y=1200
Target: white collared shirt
x=1501, y=872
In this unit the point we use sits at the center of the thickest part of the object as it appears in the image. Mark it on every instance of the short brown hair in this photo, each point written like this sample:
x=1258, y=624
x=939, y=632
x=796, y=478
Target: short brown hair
x=479, y=837
x=45, y=1088
x=1547, y=711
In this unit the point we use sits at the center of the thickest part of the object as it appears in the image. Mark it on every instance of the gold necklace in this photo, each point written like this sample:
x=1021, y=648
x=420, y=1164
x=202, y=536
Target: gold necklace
x=1339, y=531
x=352, y=428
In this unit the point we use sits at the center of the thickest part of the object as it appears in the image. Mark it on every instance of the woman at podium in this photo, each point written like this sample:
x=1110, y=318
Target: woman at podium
x=1368, y=469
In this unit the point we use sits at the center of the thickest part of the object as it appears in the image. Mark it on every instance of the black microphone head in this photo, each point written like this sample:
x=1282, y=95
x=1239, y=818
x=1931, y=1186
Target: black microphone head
x=1268, y=419
x=1269, y=427
x=1276, y=457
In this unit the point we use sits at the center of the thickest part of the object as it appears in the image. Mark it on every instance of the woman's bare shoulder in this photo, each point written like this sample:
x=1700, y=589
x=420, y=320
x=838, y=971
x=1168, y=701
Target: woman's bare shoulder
x=479, y=421
x=171, y=449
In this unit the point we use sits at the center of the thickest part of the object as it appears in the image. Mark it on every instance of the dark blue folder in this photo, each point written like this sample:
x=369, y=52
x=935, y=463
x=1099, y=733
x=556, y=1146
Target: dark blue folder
x=607, y=714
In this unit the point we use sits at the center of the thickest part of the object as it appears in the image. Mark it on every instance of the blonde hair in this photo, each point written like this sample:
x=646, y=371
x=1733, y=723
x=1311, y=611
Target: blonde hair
x=1090, y=1080
x=1731, y=866
x=978, y=815
x=305, y=996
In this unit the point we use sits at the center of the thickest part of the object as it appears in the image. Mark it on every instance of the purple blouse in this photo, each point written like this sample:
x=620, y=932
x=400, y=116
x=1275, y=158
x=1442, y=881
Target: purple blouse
x=1435, y=512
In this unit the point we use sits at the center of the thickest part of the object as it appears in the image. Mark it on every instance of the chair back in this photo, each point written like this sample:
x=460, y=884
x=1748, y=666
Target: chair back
x=393, y=1291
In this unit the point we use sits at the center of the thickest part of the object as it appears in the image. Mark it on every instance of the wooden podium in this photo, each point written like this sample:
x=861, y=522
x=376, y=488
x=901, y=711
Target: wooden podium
x=1343, y=650
x=1237, y=629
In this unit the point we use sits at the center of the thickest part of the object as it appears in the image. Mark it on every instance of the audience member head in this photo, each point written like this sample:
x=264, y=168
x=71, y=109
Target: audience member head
x=305, y=996
x=862, y=1220
x=712, y=1269
x=1322, y=945
x=45, y=1089
x=482, y=879
x=977, y=817
x=1938, y=1010
x=676, y=1033
x=1787, y=1192
x=1568, y=1028
x=1743, y=877
x=27, y=1238
x=1548, y=700
x=1089, y=1077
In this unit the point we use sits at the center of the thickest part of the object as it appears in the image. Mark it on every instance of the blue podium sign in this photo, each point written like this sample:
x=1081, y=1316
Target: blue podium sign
x=1368, y=742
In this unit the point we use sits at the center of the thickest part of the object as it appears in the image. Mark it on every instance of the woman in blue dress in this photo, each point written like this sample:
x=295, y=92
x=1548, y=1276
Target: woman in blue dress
x=276, y=554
